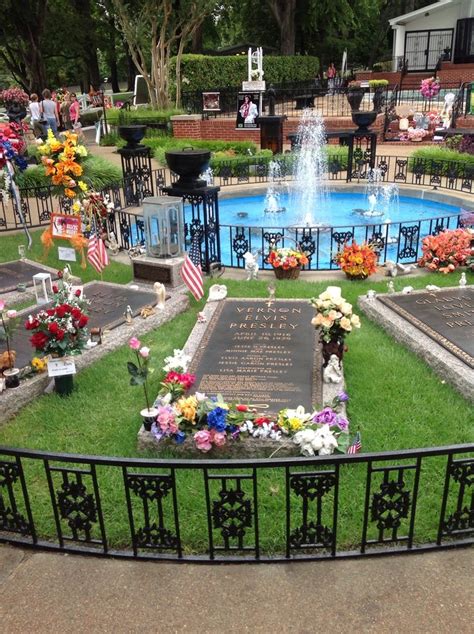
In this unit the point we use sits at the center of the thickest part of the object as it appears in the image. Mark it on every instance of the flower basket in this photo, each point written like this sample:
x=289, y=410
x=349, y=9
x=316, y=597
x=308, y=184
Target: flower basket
x=360, y=276
x=287, y=274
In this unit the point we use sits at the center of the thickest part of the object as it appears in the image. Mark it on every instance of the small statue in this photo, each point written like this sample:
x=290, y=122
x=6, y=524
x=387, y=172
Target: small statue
x=432, y=287
x=128, y=315
x=391, y=287
x=391, y=269
x=217, y=292
x=405, y=269
x=147, y=311
x=160, y=291
x=216, y=269
x=201, y=318
x=407, y=290
x=271, y=293
x=332, y=373
x=112, y=244
x=462, y=281
x=67, y=274
x=251, y=266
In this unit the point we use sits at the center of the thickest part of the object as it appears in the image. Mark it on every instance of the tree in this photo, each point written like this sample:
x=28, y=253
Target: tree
x=284, y=12
x=154, y=30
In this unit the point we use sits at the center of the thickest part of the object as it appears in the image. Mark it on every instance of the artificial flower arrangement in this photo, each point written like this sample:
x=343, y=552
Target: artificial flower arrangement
x=9, y=321
x=446, y=251
x=140, y=371
x=12, y=148
x=430, y=87
x=357, y=260
x=212, y=422
x=62, y=163
x=60, y=330
x=286, y=258
x=334, y=317
x=416, y=134
x=14, y=95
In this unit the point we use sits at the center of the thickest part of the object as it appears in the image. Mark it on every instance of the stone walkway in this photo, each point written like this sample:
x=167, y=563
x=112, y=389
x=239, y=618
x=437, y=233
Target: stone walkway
x=53, y=593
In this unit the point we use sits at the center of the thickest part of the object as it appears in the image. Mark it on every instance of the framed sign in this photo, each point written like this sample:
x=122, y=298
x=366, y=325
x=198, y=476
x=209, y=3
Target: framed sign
x=65, y=226
x=211, y=101
x=66, y=254
x=61, y=367
x=248, y=110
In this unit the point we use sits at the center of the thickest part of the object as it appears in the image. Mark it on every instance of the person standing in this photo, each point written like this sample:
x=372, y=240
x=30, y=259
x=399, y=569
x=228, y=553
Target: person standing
x=64, y=111
x=49, y=110
x=331, y=75
x=35, y=116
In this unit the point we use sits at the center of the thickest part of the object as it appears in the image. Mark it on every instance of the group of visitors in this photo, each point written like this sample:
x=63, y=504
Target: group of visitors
x=54, y=112
x=332, y=79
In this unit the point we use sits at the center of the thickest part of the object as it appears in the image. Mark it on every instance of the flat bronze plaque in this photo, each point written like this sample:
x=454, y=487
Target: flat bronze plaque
x=14, y=273
x=260, y=353
x=447, y=316
x=106, y=310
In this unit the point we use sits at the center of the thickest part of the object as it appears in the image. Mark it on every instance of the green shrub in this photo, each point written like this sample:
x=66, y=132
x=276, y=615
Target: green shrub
x=121, y=96
x=204, y=72
x=98, y=174
x=426, y=156
x=162, y=145
x=141, y=115
x=377, y=83
x=91, y=116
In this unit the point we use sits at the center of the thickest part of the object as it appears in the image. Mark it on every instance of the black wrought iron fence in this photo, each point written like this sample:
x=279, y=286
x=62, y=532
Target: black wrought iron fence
x=239, y=510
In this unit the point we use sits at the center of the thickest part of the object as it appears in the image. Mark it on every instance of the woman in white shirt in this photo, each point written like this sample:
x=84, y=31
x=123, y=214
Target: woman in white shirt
x=35, y=116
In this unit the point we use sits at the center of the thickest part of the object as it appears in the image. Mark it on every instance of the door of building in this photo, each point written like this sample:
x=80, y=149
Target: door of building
x=424, y=48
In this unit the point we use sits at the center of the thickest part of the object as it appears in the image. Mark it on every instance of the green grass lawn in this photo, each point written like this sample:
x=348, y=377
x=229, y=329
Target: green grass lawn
x=395, y=400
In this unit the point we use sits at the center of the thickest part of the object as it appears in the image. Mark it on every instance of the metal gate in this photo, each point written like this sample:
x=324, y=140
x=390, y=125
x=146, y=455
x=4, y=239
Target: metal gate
x=423, y=48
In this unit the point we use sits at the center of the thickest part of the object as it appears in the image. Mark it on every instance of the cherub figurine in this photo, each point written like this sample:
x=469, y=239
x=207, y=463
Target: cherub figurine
x=332, y=373
x=251, y=266
x=271, y=293
x=160, y=291
x=128, y=315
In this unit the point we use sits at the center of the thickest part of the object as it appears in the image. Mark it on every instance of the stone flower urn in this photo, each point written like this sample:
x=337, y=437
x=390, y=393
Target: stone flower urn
x=189, y=164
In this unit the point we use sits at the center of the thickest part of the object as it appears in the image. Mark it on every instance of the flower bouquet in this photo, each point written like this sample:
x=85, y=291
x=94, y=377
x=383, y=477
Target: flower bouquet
x=13, y=95
x=12, y=148
x=430, y=87
x=416, y=134
x=358, y=261
x=139, y=373
x=446, y=251
x=8, y=324
x=287, y=262
x=62, y=162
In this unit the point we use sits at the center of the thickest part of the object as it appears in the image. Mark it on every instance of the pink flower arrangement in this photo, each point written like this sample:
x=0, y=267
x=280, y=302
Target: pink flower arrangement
x=206, y=438
x=11, y=95
x=430, y=87
x=446, y=251
x=416, y=134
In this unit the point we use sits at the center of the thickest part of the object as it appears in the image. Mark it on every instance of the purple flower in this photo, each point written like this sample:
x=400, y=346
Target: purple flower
x=342, y=397
x=342, y=423
x=326, y=416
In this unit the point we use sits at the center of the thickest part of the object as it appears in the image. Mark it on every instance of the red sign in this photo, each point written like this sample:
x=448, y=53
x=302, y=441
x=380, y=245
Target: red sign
x=65, y=226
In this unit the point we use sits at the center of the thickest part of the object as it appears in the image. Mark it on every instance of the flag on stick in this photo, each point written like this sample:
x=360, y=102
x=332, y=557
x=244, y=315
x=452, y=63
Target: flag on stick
x=356, y=444
x=97, y=253
x=191, y=272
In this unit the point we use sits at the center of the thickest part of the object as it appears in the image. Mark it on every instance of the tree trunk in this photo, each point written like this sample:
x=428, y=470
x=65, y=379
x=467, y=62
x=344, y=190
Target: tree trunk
x=196, y=43
x=112, y=55
x=284, y=12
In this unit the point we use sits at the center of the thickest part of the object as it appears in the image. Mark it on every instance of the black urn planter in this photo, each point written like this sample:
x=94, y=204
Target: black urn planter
x=363, y=119
x=132, y=134
x=189, y=164
x=379, y=99
x=354, y=97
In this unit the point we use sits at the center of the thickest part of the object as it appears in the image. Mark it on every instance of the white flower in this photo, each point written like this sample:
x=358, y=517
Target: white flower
x=346, y=308
x=307, y=450
x=200, y=397
x=355, y=321
x=11, y=314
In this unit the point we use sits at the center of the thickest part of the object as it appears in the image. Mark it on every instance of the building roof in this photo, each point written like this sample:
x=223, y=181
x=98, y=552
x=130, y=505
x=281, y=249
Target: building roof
x=431, y=8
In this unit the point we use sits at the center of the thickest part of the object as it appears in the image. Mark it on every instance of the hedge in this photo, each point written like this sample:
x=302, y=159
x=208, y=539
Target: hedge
x=99, y=173
x=164, y=144
x=141, y=115
x=429, y=154
x=204, y=72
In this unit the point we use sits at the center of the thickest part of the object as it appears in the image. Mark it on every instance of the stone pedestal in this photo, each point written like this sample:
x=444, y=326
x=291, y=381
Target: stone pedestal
x=164, y=270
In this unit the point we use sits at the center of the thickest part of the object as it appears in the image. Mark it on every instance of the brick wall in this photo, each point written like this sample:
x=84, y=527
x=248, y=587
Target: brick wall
x=456, y=72
x=392, y=78
x=194, y=127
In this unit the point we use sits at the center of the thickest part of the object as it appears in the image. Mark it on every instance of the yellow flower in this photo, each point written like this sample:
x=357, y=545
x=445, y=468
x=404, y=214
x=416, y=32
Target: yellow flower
x=39, y=365
x=76, y=207
x=187, y=407
x=82, y=186
x=295, y=424
x=81, y=151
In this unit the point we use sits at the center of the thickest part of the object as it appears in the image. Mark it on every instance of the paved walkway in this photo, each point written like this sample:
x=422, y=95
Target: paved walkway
x=426, y=593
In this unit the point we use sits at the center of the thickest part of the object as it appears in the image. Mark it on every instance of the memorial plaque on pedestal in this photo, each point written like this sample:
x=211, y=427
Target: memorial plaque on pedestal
x=447, y=316
x=261, y=353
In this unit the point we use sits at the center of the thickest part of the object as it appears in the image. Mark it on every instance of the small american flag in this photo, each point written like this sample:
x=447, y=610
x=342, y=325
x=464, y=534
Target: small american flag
x=97, y=253
x=191, y=272
x=356, y=444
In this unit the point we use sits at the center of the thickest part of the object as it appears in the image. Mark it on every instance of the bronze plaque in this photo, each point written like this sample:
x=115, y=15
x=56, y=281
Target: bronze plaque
x=447, y=316
x=144, y=271
x=14, y=273
x=259, y=352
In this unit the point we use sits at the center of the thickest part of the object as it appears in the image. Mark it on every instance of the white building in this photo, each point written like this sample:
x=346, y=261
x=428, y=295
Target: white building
x=422, y=36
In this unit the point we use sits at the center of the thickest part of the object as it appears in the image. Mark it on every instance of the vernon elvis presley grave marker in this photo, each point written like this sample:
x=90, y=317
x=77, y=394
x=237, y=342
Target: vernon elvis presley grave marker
x=447, y=316
x=260, y=352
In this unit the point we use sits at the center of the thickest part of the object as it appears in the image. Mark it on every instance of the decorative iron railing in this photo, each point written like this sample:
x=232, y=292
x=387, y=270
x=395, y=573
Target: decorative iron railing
x=225, y=510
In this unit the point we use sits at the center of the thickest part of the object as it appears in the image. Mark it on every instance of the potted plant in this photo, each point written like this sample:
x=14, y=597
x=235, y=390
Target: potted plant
x=139, y=373
x=130, y=132
x=378, y=86
x=8, y=324
x=287, y=262
x=355, y=94
x=335, y=320
x=60, y=331
x=358, y=261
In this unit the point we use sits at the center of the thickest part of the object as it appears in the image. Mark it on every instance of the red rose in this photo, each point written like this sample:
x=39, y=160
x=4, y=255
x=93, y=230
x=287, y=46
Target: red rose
x=60, y=274
x=67, y=308
x=55, y=288
x=78, y=292
x=82, y=321
x=76, y=313
x=53, y=328
x=31, y=325
x=60, y=334
x=50, y=312
x=242, y=408
x=39, y=340
x=61, y=310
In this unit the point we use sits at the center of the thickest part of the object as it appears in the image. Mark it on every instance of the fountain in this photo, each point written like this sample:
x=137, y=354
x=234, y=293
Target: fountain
x=311, y=171
x=272, y=199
